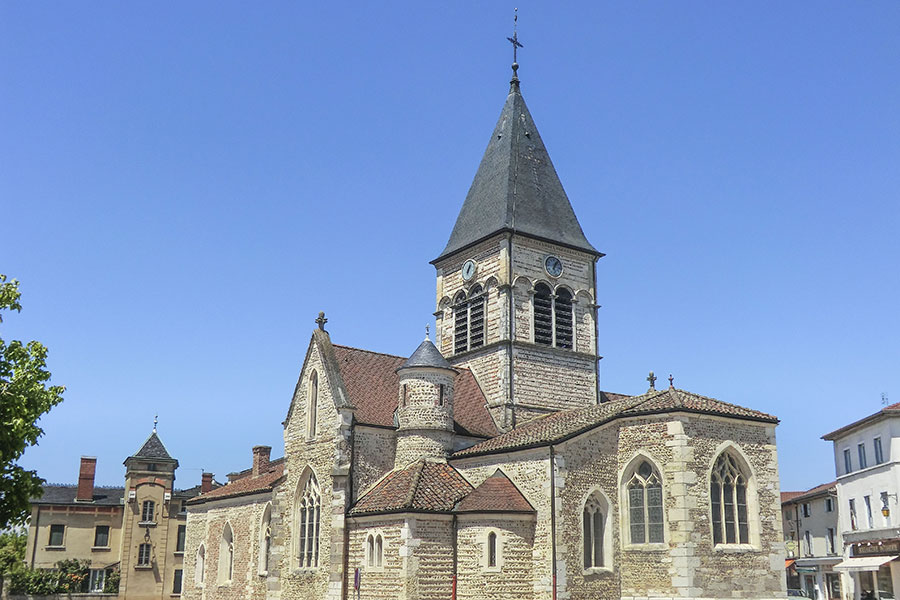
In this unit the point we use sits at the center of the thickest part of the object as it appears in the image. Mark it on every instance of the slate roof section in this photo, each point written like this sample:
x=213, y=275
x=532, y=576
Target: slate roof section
x=65, y=494
x=373, y=385
x=495, y=494
x=516, y=188
x=426, y=355
x=423, y=486
x=153, y=448
x=246, y=484
x=560, y=426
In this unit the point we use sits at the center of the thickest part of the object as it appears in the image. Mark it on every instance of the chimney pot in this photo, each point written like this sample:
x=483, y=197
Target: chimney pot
x=261, y=455
x=86, y=479
x=206, y=481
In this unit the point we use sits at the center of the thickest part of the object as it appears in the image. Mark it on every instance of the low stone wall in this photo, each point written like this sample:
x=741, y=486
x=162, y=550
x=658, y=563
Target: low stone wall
x=79, y=596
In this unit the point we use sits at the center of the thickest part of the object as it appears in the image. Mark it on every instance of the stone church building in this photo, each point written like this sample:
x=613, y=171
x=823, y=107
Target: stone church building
x=488, y=464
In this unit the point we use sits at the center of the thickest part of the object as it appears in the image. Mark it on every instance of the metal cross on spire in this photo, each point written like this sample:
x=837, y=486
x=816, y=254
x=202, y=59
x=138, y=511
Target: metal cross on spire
x=514, y=40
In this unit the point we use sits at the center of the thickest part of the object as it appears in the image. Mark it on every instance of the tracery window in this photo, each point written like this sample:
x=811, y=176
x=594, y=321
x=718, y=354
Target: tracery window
x=553, y=317
x=309, y=505
x=226, y=555
x=313, y=405
x=200, y=567
x=645, y=505
x=468, y=320
x=375, y=550
x=728, y=501
x=594, y=530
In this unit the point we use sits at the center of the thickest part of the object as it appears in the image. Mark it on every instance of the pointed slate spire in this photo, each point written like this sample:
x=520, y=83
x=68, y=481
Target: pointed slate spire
x=153, y=448
x=516, y=187
x=426, y=355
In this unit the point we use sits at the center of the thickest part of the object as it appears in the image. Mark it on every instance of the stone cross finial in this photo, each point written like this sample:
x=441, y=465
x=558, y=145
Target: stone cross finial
x=671, y=380
x=427, y=328
x=652, y=379
x=321, y=320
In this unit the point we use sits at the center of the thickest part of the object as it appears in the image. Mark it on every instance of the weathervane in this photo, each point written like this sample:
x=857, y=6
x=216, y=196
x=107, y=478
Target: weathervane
x=155, y=421
x=514, y=40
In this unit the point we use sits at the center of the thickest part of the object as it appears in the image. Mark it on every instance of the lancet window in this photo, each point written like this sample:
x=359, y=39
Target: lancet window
x=594, y=529
x=309, y=506
x=728, y=501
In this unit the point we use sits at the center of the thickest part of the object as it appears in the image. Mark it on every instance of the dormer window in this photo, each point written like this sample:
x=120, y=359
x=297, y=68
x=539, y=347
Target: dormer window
x=553, y=320
x=468, y=320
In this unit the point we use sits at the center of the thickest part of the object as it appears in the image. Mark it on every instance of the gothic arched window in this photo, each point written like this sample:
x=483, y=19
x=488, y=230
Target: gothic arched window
x=595, y=531
x=728, y=501
x=200, y=567
x=492, y=549
x=645, y=505
x=313, y=405
x=226, y=555
x=265, y=540
x=553, y=317
x=375, y=550
x=308, y=508
x=468, y=320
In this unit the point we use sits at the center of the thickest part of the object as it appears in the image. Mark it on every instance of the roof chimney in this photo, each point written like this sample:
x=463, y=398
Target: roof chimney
x=206, y=481
x=86, y=479
x=261, y=456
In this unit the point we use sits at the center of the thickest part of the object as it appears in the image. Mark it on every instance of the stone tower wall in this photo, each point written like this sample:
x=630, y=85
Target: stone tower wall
x=425, y=415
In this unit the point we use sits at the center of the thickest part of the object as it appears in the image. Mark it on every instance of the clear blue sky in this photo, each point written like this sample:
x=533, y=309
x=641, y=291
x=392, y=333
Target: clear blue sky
x=184, y=186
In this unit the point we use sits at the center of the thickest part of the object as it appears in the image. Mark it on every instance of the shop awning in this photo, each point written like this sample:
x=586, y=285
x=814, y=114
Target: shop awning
x=788, y=562
x=863, y=563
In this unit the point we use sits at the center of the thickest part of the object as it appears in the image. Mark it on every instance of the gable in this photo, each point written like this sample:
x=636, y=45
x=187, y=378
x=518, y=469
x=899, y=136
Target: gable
x=320, y=353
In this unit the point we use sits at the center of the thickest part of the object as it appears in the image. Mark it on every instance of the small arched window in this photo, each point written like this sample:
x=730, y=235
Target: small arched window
x=645, y=505
x=200, y=567
x=553, y=317
x=313, y=405
x=308, y=508
x=728, y=501
x=226, y=555
x=492, y=549
x=595, y=531
x=375, y=551
x=468, y=320
x=265, y=540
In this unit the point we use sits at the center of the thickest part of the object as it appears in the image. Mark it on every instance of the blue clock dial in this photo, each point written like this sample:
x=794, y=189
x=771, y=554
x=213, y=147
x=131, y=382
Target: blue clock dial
x=554, y=266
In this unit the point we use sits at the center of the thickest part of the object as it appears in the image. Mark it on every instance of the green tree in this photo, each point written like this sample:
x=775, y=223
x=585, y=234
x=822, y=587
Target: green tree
x=24, y=397
x=12, y=553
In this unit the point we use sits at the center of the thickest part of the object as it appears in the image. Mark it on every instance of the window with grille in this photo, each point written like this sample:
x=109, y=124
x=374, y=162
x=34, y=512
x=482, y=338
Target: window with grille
x=309, y=504
x=554, y=321
x=469, y=320
x=728, y=500
x=645, y=505
x=594, y=523
x=144, y=555
x=147, y=510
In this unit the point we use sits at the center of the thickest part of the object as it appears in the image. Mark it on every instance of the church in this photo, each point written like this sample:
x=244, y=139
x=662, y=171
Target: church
x=487, y=463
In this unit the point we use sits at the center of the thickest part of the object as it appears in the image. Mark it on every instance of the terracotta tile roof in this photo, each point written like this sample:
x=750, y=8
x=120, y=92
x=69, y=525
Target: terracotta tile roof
x=372, y=384
x=245, y=485
x=495, y=494
x=810, y=493
x=562, y=425
x=422, y=486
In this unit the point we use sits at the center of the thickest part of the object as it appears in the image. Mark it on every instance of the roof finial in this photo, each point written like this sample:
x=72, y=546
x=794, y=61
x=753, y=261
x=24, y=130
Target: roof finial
x=671, y=381
x=514, y=40
x=652, y=379
x=155, y=421
x=321, y=320
x=427, y=327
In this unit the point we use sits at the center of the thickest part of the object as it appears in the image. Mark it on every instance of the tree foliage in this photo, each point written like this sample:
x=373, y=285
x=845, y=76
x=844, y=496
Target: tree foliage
x=24, y=396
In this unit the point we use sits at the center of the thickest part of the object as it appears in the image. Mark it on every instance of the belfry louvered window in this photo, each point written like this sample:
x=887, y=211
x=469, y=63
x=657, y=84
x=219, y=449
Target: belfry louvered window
x=553, y=317
x=468, y=320
x=728, y=501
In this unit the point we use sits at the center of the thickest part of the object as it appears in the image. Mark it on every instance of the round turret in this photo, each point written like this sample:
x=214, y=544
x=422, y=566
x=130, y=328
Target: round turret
x=425, y=406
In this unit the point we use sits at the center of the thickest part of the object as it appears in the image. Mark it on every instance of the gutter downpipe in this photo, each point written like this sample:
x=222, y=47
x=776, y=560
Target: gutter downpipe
x=37, y=524
x=553, y=517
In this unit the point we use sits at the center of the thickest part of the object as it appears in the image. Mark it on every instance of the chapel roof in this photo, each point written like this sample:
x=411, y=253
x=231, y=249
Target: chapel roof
x=560, y=426
x=245, y=483
x=423, y=486
x=495, y=494
x=516, y=188
x=372, y=383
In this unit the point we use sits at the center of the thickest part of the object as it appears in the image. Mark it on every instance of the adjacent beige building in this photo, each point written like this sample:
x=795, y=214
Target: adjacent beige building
x=814, y=543
x=488, y=464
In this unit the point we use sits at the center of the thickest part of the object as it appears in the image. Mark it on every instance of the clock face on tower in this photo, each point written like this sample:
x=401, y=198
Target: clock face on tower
x=553, y=266
x=468, y=269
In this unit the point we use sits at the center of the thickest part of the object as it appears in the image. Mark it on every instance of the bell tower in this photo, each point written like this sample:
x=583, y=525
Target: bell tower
x=516, y=282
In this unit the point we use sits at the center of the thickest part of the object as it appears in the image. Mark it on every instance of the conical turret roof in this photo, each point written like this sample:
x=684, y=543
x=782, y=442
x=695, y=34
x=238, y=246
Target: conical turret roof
x=426, y=355
x=516, y=188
